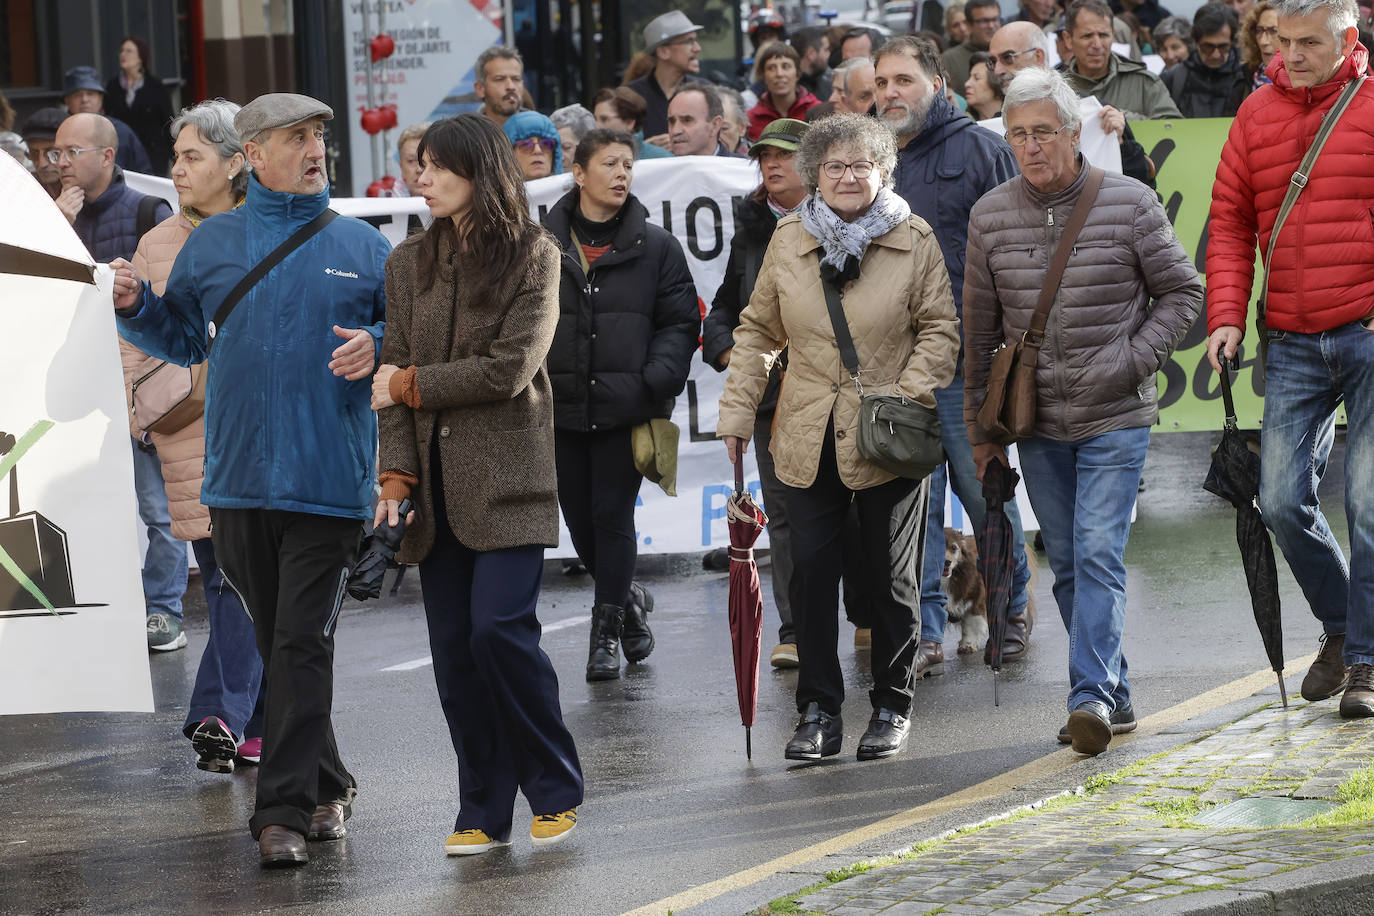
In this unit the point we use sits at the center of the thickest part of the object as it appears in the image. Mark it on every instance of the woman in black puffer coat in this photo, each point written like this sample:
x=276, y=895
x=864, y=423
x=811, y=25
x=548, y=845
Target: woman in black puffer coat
x=628, y=324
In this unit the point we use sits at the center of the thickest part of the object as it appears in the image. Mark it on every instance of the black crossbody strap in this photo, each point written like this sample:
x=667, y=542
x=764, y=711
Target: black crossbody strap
x=848, y=355
x=279, y=254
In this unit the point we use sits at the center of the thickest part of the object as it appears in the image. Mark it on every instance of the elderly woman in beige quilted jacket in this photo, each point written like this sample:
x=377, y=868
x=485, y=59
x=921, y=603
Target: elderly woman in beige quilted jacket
x=224, y=720
x=896, y=298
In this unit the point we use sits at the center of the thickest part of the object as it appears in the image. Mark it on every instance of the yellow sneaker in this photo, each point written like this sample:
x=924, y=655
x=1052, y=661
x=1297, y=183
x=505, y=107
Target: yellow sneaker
x=549, y=829
x=470, y=843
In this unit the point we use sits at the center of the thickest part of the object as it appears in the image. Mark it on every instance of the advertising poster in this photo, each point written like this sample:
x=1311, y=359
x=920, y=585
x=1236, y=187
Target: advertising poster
x=427, y=74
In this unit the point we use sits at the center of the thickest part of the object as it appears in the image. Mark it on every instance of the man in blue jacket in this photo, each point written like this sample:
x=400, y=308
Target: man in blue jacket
x=945, y=163
x=289, y=438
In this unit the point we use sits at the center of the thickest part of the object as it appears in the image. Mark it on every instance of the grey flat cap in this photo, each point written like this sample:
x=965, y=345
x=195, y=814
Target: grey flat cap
x=278, y=109
x=667, y=27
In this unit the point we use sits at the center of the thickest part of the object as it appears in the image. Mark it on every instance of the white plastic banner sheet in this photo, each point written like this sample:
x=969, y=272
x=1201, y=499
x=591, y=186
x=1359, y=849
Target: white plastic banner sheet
x=1099, y=147
x=72, y=635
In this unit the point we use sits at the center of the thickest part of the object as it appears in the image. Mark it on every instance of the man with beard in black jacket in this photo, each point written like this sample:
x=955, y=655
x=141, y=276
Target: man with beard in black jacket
x=945, y=163
x=1212, y=81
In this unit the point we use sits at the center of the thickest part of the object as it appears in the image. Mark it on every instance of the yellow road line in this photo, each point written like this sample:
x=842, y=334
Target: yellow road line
x=1050, y=764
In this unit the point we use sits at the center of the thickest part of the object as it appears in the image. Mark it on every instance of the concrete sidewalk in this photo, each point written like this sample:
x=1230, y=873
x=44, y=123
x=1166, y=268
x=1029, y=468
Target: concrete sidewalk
x=1209, y=826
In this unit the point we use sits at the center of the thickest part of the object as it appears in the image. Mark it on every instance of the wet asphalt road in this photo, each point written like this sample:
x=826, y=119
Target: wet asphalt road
x=108, y=813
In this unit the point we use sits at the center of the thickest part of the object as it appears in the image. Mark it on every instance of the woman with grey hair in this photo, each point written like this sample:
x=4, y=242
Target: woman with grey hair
x=573, y=123
x=224, y=715
x=1173, y=40
x=859, y=237
x=1127, y=295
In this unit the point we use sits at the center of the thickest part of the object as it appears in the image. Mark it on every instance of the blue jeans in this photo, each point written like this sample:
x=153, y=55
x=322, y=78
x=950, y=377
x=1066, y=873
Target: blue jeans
x=164, y=566
x=230, y=676
x=962, y=475
x=1307, y=377
x=1082, y=493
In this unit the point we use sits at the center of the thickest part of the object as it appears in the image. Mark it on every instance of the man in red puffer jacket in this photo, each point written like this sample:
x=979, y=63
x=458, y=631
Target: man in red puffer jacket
x=1320, y=306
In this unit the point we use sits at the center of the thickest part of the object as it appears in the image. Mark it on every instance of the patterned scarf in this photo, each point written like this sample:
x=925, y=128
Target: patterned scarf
x=844, y=243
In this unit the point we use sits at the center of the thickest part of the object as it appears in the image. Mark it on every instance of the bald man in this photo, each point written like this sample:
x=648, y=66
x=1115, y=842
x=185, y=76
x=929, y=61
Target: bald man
x=109, y=217
x=1016, y=46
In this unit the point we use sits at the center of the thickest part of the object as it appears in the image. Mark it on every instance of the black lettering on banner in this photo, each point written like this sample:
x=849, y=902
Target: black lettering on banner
x=668, y=217
x=693, y=244
x=543, y=212
x=1171, y=207
x=1175, y=384
x=695, y=434
x=1207, y=385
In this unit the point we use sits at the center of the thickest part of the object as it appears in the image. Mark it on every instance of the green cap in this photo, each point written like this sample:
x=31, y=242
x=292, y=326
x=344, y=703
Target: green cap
x=784, y=133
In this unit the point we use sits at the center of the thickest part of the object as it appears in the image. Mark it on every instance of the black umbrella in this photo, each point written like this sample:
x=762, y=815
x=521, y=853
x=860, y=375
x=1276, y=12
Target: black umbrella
x=1234, y=476
x=378, y=553
x=998, y=561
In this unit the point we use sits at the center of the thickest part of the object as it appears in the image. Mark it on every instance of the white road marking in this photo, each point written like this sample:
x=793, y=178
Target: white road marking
x=548, y=628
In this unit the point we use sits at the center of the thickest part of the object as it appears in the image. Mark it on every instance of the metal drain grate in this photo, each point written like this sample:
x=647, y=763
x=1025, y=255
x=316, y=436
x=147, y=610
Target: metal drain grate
x=1263, y=812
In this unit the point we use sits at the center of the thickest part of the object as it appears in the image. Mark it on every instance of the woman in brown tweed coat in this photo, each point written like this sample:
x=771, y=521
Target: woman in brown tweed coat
x=466, y=429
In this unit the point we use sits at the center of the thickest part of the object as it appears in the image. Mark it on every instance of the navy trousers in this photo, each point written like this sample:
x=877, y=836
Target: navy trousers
x=497, y=688
x=229, y=679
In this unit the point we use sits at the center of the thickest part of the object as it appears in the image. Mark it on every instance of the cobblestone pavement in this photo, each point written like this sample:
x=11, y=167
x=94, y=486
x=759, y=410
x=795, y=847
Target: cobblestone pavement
x=1135, y=836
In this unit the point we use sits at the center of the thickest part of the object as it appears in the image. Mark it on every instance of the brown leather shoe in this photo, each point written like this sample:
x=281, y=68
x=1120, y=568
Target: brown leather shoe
x=327, y=823
x=1358, y=701
x=1328, y=673
x=281, y=847
x=1014, y=642
x=930, y=658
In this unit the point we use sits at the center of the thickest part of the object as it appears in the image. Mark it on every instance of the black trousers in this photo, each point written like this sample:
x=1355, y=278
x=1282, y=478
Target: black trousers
x=891, y=527
x=496, y=686
x=289, y=569
x=597, y=487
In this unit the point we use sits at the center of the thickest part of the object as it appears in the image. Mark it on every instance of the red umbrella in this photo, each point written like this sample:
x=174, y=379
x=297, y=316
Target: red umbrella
x=745, y=520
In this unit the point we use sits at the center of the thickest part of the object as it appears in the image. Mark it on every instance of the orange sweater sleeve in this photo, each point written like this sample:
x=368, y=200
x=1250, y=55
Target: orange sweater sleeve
x=404, y=387
x=397, y=484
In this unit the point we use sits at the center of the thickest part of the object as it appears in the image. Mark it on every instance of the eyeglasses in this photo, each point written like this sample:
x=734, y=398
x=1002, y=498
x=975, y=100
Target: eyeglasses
x=1009, y=57
x=1042, y=135
x=835, y=169
x=55, y=155
x=1268, y=32
x=987, y=20
x=533, y=144
x=686, y=42
x=1216, y=47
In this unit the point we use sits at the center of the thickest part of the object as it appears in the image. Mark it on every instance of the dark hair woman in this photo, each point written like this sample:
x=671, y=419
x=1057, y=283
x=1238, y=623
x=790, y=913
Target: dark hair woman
x=627, y=327
x=983, y=91
x=466, y=431
x=138, y=98
x=621, y=108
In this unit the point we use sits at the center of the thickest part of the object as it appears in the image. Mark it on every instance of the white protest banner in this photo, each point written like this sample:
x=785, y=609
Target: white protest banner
x=691, y=196
x=428, y=73
x=1099, y=147
x=72, y=633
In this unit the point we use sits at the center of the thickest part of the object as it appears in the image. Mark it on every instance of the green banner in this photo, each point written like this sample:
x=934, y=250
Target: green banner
x=1186, y=153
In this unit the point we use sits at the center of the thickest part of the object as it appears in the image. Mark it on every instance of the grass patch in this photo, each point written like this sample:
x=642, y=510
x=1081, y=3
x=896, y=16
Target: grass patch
x=1104, y=780
x=1356, y=796
x=1175, y=812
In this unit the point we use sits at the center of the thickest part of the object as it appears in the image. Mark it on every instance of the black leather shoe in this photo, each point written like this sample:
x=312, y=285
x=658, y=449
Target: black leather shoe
x=1090, y=728
x=636, y=639
x=818, y=735
x=603, y=657
x=281, y=847
x=886, y=735
x=1122, y=721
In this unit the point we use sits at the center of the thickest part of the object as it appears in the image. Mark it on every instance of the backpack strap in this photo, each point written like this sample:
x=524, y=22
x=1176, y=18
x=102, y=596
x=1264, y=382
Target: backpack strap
x=147, y=214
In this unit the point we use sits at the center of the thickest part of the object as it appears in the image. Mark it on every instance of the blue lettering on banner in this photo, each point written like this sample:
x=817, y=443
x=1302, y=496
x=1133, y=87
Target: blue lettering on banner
x=710, y=511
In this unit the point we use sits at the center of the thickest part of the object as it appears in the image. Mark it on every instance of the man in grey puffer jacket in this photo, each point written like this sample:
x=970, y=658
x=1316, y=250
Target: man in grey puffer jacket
x=1128, y=295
